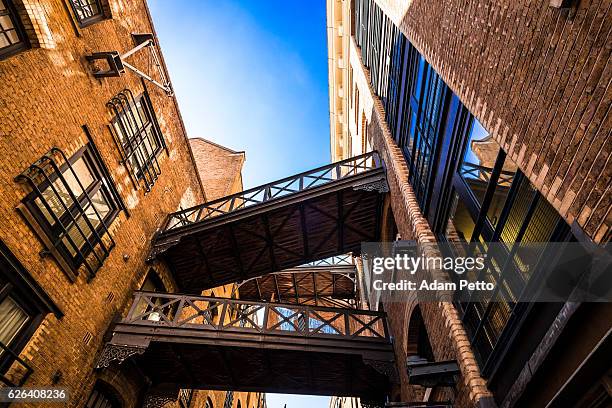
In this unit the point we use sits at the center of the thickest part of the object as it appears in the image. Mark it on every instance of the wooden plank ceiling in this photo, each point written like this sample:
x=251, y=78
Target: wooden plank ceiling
x=332, y=286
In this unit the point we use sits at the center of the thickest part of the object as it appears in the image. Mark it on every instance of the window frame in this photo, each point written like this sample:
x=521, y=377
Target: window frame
x=130, y=141
x=32, y=299
x=24, y=43
x=88, y=21
x=53, y=235
x=507, y=269
x=532, y=220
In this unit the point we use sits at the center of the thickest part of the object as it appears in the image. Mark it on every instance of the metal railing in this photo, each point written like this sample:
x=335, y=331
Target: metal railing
x=275, y=190
x=186, y=311
x=339, y=260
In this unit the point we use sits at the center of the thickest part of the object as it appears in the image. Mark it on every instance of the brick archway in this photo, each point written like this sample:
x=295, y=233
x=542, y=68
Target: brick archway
x=417, y=338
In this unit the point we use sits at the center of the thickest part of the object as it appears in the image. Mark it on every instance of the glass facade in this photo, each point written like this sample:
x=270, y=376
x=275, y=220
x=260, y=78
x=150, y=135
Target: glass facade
x=467, y=188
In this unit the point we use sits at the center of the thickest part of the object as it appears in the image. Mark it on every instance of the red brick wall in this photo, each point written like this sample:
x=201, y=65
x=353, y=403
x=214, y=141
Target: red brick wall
x=538, y=78
x=47, y=94
x=219, y=168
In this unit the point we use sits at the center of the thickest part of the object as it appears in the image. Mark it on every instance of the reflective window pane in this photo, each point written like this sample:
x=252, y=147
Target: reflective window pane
x=478, y=160
x=460, y=226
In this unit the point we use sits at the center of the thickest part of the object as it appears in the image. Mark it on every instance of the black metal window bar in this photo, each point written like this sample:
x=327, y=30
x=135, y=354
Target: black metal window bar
x=280, y=188
x=87, y=11
x=138, y=136
x=12, y=35
x=71, y=206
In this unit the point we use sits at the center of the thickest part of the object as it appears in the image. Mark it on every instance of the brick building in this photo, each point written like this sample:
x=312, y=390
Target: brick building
x=492, y=123
x=493, y=120
x=94, y=154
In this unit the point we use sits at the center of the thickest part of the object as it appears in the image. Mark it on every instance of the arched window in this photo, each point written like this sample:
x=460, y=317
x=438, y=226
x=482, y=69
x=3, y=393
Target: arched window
x=418, y=345
x=103, y=396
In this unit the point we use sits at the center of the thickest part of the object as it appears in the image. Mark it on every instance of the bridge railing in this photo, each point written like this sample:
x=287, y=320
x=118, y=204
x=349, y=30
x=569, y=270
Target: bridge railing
x=338, y=260
x=277, y=189
x=224, y=314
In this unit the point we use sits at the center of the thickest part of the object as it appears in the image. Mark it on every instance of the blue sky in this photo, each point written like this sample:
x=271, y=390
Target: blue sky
x=252, y=75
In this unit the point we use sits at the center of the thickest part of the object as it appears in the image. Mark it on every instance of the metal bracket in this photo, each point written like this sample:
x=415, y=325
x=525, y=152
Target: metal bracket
x=379, y=185
x=117, y=62
x=157, y=400
x=112, y=58
x=386, y=368
x=158, y=249
x=120, y=353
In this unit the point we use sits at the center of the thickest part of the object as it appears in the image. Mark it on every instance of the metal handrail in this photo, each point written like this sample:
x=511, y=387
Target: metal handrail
x=338, y=260
x=280, y=188
x=188, y=311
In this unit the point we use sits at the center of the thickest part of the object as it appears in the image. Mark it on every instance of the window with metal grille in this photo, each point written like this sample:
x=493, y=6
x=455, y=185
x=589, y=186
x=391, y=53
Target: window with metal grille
x=494, y=202
x=103, y=396
x=12, y=36
x=70, y=205
x=138, y=136
x=87, y=11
